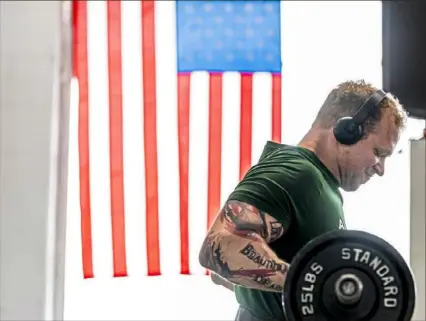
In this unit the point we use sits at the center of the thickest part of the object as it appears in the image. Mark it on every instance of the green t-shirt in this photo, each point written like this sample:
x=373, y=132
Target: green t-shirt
x=292, y=185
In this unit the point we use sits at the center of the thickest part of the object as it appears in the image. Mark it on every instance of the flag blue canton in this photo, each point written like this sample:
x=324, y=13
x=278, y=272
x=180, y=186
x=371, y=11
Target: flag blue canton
x=219, y=36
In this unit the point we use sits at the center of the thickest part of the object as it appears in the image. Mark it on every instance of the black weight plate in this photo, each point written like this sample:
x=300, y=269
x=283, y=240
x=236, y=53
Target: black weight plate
x=330, y=258
x=327, y=249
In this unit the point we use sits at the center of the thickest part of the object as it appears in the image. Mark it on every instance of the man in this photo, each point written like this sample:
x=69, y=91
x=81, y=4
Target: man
x=292, y=196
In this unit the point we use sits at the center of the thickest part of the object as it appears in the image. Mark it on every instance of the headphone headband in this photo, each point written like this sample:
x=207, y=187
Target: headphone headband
x=366, y=109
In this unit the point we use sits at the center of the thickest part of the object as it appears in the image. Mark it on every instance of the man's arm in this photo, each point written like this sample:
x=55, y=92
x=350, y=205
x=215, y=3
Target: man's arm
x=236, y=248
x=221, y=281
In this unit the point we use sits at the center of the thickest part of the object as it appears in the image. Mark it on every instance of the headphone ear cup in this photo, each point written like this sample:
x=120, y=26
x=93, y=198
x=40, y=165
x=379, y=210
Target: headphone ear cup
x=347, y=132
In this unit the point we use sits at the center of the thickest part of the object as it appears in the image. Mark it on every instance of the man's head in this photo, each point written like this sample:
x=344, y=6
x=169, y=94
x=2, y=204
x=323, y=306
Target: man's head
x=357, y=163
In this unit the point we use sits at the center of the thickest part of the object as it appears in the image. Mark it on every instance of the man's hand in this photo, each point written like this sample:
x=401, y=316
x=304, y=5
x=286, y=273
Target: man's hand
x=236, y=248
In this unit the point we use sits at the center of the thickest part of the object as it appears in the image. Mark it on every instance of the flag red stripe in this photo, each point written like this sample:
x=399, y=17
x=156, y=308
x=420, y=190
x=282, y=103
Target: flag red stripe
x=246, y=123
x=183, y=85
x=75, y=36
x=276, y=108
x=215, y=147
x=82, y=72
x=116, y=138
x=150, y=136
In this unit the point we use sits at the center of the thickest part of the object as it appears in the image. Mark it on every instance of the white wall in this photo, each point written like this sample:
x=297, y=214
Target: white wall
x=417, y=224
x=33, y=160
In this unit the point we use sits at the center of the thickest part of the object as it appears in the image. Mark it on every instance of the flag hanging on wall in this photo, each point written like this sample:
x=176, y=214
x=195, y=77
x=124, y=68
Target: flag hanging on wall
x=176, y=101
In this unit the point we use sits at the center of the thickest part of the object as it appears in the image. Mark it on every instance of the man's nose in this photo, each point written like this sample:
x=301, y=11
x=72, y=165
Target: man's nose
x=380, y=167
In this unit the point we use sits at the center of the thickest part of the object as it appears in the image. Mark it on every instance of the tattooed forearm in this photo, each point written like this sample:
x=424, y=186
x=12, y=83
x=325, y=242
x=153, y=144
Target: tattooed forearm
x=236, y=248
x=252, y=265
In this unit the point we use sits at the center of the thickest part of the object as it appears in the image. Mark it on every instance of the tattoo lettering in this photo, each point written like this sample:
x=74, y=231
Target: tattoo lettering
x=267, y=283
x=250, y=252
x=276, y=230
x=216, y=262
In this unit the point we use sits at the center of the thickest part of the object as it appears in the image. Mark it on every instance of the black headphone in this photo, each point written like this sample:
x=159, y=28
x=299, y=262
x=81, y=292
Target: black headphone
x=350, y=130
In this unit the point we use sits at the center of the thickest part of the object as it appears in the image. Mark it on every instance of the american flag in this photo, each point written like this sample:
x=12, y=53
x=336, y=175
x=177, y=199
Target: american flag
x=176, y=101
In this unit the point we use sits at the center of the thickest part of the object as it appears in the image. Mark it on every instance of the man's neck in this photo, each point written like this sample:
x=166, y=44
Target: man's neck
x=323, y=145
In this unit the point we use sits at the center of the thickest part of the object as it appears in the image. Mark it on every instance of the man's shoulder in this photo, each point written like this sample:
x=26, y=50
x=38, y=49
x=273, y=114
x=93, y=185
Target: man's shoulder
x=288, y=160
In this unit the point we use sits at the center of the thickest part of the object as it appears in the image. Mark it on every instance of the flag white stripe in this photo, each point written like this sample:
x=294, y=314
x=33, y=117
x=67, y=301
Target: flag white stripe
x=262, y=113
x=73, y=257
x=99, y=139
x=167, y=137
x=198, y=166
x=231, y=87
x=133, y=142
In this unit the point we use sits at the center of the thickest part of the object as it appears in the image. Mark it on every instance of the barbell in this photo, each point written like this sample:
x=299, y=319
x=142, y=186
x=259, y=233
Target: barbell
x=349, y=275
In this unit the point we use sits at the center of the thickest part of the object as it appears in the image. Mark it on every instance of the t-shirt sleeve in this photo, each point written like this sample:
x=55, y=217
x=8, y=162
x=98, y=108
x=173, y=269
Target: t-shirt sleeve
x=273, y=189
